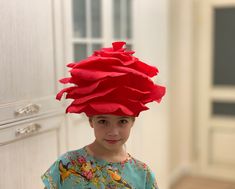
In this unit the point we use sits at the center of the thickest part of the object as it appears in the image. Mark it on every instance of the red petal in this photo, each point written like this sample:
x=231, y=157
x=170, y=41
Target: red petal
x=65, y=80
x=118, y=45
x=93, y=75
x=65, y=90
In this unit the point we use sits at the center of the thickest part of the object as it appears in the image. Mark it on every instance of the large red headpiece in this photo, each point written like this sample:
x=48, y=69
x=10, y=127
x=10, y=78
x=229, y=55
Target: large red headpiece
x=111, y=81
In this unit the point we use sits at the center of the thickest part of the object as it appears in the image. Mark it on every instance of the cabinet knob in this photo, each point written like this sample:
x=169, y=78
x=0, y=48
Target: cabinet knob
x=30, y=129
x=28, y=110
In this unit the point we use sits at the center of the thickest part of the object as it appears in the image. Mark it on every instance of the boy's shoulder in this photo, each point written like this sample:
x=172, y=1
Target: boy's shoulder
x=72, y=154
x=147, y=171
x=140, y=164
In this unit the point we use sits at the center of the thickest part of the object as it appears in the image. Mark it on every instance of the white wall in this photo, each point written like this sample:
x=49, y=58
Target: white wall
x=181, y=87
x=151, y=45
x=163, y=37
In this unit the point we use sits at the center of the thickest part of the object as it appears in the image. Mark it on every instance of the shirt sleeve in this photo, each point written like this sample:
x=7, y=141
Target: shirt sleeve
x=151, y=182
x=52, y=176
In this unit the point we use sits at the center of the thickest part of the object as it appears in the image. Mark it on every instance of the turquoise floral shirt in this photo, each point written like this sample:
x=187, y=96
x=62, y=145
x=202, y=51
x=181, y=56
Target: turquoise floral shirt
x=77, y=169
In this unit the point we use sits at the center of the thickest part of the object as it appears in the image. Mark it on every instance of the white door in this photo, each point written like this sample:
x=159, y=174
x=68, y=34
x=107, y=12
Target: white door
x=216, y=87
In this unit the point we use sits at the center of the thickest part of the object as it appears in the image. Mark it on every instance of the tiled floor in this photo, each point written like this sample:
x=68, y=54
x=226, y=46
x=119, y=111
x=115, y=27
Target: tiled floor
x=202, y=183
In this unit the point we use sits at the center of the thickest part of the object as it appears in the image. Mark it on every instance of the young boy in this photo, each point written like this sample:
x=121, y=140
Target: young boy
x=111, y=87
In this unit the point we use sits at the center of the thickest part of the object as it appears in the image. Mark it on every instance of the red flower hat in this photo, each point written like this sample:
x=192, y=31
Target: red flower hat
x=111, y=81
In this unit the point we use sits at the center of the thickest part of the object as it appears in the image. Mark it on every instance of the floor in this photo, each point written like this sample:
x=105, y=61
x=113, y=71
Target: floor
x=202, y=183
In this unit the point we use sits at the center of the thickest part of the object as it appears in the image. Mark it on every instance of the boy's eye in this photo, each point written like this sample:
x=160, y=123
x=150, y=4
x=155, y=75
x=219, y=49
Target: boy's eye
x=123, y=121
x=102, y=121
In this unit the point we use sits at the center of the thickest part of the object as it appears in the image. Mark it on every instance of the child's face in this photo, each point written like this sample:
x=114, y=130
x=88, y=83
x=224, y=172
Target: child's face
x=111, y=131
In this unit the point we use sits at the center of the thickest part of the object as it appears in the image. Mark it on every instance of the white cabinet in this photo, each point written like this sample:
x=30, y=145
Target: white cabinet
x=26, y=151
x=31, y=61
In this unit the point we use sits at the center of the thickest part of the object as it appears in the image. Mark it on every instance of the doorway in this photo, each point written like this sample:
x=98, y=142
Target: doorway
x=215, y=94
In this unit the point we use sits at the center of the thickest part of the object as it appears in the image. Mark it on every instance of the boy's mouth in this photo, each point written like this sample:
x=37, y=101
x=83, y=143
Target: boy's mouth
x=112, y=141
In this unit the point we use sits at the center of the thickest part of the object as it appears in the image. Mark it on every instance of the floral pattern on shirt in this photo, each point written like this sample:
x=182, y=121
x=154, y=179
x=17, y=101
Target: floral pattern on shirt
x=78, y=169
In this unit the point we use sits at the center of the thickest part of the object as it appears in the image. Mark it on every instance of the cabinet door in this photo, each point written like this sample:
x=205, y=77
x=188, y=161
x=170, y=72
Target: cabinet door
x=26, y=152
x=28, y=61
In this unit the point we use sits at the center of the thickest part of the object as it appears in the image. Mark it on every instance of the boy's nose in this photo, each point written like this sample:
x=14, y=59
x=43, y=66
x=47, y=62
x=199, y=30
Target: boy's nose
x=113, y=131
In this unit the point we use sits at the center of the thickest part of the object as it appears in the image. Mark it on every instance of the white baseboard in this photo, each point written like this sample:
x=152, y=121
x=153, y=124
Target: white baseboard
x=178, y=173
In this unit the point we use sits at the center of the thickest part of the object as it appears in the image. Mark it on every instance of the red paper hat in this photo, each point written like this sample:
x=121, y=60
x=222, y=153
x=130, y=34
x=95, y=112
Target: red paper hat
x=111, y=81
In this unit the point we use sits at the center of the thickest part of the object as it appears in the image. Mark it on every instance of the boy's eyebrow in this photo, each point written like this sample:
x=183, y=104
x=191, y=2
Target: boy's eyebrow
x=126, y=117
x=101, y=117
